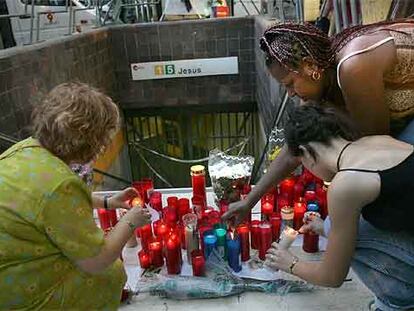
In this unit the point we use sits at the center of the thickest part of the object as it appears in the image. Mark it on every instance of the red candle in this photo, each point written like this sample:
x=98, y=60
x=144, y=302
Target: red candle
x=245, y=191
x=255, y=234
x=265, y=239
x=155, y=252
x=243, y=232
x=156, y=201
x=198, y=262
x=145, y=232
x=267, y=203
x=299, y=210
x=282, y=201
x=198, y=181
x=144, y=259
x=198, y=205
x=172, y=202
x=140, y=187
x=161, y=229
x=179, y=229
x=148, y=188
x=113, y=218
x=170, y=215
x=298, y=191
x=104, y=219
x=183, y=208
x=173, y=256
x=275, y=220
x=310, y=242
x=286, y=188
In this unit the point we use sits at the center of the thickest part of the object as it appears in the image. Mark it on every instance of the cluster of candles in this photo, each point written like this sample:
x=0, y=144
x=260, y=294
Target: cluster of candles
x=193, y=226
x=291, y=200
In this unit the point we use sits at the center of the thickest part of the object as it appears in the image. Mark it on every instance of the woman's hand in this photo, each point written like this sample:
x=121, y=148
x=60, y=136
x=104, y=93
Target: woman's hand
x=120, y=199
x=279, y=259
x=140, y=216
x=238, y=211
x=313, y=224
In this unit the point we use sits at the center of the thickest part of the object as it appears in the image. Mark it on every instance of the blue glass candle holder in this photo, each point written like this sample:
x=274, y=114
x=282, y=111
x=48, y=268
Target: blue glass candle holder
x=210, y=243
x=233, y=252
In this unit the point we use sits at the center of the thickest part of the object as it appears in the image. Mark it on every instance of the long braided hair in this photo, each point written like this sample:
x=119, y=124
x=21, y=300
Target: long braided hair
x=289, y=43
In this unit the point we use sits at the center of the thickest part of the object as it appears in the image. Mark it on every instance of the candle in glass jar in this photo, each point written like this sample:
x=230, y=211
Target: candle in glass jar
x=145, y=232
x=286, y=188
x=310, y=242
x=233, y=252
x=298, y=191
x=282, y=201
x=156, y=201
x=287, y=237
x=148, y=188
x=265, y=239
x=104, y=219
x=140, y=188
x=210, y=243
x=198, y=181
x=113, y=217
x=172, y=202
x=243, y=233
x=276, y=222
x=287, y=216
x=310, y=239
x=267, y=209
x=221, y=241
x=155, y=252
x=183, y=207
x=169, y=215
x=321, y=197
x=144, y=259
x=191, y=235
x=201, y=230
x=298, y=213
x=198, y=263
x=173, y=249
x=198, y=205
x=255, y=234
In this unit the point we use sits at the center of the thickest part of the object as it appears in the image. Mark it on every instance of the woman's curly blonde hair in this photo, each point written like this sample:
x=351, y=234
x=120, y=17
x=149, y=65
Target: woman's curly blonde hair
x=75, y=122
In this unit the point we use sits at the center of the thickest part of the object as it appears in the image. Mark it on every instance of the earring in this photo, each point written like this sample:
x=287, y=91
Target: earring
x=316, y=75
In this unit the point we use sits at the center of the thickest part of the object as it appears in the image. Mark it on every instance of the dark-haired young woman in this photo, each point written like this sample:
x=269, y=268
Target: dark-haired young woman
x=372, y=177
x=366, y=70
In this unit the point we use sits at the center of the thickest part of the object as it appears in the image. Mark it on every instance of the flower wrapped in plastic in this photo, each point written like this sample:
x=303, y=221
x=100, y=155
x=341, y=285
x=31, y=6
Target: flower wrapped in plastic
x=219, y=282
x=229, y=174
x=276, y=142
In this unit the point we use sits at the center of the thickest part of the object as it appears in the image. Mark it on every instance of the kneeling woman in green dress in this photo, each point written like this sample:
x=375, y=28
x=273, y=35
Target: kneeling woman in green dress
x=52, y=254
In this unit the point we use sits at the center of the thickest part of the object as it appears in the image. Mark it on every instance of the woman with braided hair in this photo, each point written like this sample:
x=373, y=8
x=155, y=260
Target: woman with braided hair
x=366, y=70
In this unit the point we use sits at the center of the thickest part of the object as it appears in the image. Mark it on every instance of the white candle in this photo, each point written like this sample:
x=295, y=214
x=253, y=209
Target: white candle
x=287, y=237
x=191, y=241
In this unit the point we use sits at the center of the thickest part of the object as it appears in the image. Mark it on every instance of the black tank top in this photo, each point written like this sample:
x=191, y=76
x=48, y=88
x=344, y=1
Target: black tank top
x=393, y=209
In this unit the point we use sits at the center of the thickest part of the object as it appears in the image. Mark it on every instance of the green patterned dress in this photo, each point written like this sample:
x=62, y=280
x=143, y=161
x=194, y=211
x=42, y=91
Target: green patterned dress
x=46, y=225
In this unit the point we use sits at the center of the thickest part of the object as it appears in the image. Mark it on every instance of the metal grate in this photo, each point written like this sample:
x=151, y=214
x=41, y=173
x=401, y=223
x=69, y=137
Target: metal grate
x=184, y=135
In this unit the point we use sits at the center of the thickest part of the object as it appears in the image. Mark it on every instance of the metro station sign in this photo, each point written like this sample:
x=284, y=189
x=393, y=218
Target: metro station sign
x=185, y=68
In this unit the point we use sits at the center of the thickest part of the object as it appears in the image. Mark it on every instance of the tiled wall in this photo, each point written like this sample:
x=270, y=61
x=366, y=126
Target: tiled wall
x=27, y=72
x=185, y=40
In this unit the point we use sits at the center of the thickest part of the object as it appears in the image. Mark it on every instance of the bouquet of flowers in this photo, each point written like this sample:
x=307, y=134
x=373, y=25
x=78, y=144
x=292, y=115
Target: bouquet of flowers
x=229, y=174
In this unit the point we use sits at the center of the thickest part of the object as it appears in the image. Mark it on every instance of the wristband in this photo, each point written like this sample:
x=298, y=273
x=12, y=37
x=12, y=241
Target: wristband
x=294, y=262
x=105, y=202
